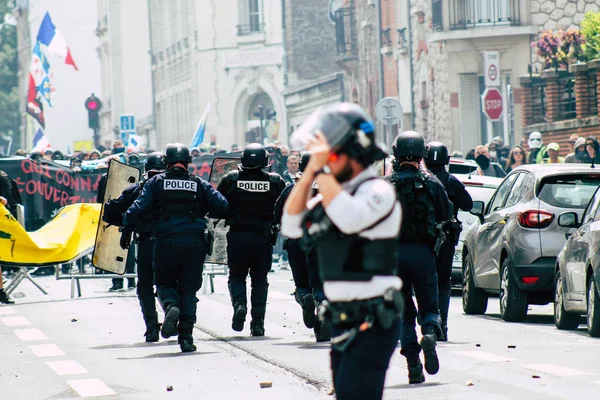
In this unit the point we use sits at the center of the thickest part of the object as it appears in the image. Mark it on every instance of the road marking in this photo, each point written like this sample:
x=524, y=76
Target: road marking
x=483, y=356
x=28, y=335
x=555, y=370
x=46, y=350
x=15, y=321
x=90, y=387
x=67, y=367
x=7, y=310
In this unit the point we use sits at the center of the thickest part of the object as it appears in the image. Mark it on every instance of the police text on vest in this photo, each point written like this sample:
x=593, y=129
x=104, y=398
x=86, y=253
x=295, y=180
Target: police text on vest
x=176, y=184
x=254, y=186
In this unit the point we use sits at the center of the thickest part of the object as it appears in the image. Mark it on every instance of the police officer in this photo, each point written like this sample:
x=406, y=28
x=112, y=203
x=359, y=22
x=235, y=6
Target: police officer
x=303, y=262
x=251, y=193
x=355, y=221
x=436, y=158
x=113, y=214
x=426, y=208
x=178, y=203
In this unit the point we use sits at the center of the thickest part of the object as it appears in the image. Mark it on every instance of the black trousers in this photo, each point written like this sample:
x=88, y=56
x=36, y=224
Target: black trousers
x=145, y=284
x=178, y=266
x=249, y=252
x=359, y=371
x=443, y=263
x=305, y=270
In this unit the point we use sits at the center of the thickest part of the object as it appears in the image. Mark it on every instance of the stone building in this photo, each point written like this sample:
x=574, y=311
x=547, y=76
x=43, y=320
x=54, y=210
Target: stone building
x=448, y=41
x=226, y=53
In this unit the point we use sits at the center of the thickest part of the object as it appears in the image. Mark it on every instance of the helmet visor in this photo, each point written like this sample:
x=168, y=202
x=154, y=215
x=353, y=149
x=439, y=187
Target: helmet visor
x=336, y=130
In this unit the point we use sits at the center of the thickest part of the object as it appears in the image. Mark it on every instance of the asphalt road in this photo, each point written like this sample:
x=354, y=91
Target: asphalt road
x=53, y=347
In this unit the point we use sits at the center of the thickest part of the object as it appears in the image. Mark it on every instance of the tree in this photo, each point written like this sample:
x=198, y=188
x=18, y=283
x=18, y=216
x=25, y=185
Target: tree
x=9, y=66
x=590, y=27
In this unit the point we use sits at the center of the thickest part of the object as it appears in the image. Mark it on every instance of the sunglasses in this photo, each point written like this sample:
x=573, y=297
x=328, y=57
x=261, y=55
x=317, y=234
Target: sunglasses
x=571, y=142
x=590, y=144
x=518, y=152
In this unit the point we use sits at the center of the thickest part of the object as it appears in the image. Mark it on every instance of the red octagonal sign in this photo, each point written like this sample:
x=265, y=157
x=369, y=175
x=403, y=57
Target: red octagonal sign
x=491, y=103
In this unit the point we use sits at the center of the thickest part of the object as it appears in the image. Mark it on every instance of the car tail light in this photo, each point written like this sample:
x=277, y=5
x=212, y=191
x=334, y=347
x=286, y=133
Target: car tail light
x=530, y=280
x=535, y=219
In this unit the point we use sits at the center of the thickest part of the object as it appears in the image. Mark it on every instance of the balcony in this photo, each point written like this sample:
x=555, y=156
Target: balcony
x=466, y=14
x=345, y=32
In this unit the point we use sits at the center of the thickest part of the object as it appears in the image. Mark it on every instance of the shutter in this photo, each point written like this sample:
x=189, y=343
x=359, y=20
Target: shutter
x=468, y=103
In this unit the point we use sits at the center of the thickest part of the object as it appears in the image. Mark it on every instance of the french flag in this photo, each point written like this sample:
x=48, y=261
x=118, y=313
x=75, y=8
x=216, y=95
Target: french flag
x=51, y=37
x=40, y=141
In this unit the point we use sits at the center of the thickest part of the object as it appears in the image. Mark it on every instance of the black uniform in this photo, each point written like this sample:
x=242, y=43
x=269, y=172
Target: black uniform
x=251, y=194
x=178, y=203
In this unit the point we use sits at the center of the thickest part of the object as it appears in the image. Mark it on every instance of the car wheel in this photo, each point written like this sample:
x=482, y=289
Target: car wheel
x=593, y=309
x=513, y=301
x=474, y=300
x=563, y=319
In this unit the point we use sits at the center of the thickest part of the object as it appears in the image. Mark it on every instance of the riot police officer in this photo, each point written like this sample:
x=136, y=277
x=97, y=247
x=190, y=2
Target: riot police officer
x=436, y=158
x=113, y=214
x=177, y=203
x=251, y=193
x=355, y=221
x=303, y=262
x=426, y=208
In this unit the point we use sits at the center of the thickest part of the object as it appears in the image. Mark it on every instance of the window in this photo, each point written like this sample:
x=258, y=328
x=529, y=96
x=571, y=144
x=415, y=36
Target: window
x=251, y=17
x=522, y=189
x=568, y=191
x=500, y=196
x=592, y=209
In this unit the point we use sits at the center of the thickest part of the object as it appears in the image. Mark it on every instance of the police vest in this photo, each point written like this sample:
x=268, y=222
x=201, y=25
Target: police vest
x=178, y=196
x=418, y=209
x=252, y=199
x=349, y=257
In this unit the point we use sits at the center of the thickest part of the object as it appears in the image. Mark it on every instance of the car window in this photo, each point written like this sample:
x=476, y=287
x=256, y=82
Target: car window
x=501, y=194
x=521, y=189
x=568, y=191
x=592, y=209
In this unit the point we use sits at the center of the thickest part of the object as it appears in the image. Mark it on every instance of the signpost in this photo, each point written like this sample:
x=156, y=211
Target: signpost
x=491, y=68
x=126, y=128
x=389, y=112
x=491, y=104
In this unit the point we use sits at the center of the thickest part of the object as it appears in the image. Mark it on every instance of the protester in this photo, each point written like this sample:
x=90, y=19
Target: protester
x=592, y=149
x=579, y=154
x=48, y=154
x=495, y=157
x=293, y=165
x=572, y=139
x=503, y=151
x=516, y=158
x=537, y=149
x=486, y=167
x=553, y=158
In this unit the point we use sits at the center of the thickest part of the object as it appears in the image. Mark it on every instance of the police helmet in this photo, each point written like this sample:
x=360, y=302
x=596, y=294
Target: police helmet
x=436, y=154
x=304, y=159
x=177, y=152
x=409, y=145
x=254, y=156
x=156, y=161
x=348, y=130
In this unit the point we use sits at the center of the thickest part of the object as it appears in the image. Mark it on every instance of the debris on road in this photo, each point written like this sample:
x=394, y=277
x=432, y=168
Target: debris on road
x=169, y=388
x=512, y=346
x=477, y=345
x=73, y=319
x=470, y=383
x=331, y=392
x=535, y=376
x=264, y=385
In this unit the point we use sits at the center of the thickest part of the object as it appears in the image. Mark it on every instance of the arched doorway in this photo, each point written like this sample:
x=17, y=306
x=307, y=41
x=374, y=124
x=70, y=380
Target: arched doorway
x=261, y=124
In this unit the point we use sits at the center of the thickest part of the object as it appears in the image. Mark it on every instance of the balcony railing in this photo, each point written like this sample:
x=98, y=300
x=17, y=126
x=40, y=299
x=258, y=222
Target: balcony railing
x=465, y=14
x=250, y=29
x=566, y=103
x=345, y=31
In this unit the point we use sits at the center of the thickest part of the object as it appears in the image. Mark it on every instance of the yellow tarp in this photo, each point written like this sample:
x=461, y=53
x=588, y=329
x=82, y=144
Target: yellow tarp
x=71, y=232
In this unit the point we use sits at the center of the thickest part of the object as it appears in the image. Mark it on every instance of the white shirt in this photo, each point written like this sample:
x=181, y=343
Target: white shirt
x=351, y=215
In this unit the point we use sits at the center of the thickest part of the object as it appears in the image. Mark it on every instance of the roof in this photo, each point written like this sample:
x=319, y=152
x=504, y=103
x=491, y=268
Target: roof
x=553, y=169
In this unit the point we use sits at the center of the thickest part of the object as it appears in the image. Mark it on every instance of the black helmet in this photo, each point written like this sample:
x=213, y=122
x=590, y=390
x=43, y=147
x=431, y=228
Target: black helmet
x=155, y=161
x=409, y=145
x=304, y=159
x=255, y=156
x=177, y=152
x=436, y=154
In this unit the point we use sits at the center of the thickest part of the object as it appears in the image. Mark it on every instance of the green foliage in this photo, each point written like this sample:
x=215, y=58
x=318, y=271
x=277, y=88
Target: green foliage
x=590, y=28
x=9, y=81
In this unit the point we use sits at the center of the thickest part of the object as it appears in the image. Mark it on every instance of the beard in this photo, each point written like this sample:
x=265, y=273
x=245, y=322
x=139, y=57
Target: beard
x=345, y=174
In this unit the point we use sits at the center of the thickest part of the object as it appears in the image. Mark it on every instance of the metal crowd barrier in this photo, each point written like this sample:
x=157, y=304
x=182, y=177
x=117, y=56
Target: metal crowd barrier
x=209, y=273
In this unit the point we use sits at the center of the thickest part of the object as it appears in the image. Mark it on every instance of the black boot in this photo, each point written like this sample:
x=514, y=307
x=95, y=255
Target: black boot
x=169, y=327
x=186, y=343
x=239, y=317
x=432, y=364
x=308, y=309
x=152, y=333
x=443, y=337
x=257, y=327
x=117, y=284
x=131, y=283
x=258, y=296
x=4, y=298
x=415, y=369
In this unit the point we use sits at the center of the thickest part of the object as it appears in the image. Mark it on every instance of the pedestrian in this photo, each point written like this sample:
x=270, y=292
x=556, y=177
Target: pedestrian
x=251, y=193
x=572, y=139
x=592, y=149
x=177, y=202
x=426, y=209
x=354, y=223
x=495, y=154
x=303, y=262
x=486, y=167
x=537, y=150
x=502, y=150
x=579, y=154
x=293, y=164
x=516, y=158
x=553, y=158
x=113, y=214
x=436, y=159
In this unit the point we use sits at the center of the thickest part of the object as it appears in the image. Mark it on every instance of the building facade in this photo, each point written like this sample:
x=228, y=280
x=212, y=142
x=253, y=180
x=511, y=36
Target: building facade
x=208, y=51
x=123, y=31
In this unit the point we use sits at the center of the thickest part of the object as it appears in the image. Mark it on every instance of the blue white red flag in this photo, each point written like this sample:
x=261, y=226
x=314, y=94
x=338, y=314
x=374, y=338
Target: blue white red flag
x=50, y=36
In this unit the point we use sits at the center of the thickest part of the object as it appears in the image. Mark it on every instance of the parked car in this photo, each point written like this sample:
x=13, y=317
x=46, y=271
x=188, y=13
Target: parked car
x=461, y=166
x=511, y=249
x=481, y=188
x=577, y=276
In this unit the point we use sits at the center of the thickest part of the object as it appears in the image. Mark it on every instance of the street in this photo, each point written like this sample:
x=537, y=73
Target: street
x=54, y=347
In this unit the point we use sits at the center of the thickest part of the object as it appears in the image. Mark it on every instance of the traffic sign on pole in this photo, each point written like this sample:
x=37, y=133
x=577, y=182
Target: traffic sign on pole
x=126, y=127
x=491, y=68
x=389, y=112
x=491, y=104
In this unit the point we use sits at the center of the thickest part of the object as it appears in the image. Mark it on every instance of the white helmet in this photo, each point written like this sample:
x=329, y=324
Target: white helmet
x=535, y=140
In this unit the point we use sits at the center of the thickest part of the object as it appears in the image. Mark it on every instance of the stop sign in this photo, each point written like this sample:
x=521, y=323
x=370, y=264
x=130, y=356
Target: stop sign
x=491, y=103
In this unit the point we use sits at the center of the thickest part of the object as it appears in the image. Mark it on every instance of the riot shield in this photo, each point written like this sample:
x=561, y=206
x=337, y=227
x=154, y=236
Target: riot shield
x=221, y=166
x=108, y=254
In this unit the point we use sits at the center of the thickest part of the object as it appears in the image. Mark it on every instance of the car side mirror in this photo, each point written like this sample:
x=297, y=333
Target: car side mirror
x=478, y=209
x=568, y=220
